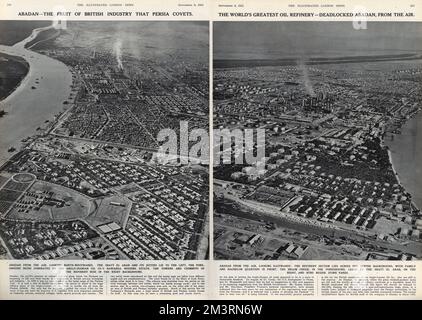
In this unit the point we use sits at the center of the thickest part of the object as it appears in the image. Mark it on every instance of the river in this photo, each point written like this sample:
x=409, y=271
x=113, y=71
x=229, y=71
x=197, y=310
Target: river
x=406, y=154
x=32, y=103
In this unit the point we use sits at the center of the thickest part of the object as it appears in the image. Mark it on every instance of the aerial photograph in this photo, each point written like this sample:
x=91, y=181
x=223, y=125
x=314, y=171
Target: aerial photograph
x=340, y=178
x=81, y=107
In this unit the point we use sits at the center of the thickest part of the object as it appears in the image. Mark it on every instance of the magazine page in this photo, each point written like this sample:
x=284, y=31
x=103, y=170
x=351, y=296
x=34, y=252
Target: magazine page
x=317, y=136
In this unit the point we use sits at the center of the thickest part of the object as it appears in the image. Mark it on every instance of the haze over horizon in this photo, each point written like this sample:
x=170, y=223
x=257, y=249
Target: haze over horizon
x=278, y=40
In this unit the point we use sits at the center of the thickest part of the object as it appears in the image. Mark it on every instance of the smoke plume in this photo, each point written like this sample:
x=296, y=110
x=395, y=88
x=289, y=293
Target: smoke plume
x=306, y=81
x=118, y=53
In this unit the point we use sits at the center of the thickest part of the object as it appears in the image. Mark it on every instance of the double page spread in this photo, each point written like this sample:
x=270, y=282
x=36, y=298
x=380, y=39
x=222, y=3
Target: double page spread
x=210, y=149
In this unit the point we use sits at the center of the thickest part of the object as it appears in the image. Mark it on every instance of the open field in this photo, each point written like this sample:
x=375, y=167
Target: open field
x=115, y=208
x=48, y=202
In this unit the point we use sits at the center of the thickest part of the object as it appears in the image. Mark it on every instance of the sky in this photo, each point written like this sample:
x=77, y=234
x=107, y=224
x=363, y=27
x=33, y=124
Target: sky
x=271, y=40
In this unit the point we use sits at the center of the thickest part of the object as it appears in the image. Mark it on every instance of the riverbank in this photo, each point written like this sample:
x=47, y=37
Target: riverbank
x=18, y=30
x=39, y=96
x=12, y=72
x=405, y=153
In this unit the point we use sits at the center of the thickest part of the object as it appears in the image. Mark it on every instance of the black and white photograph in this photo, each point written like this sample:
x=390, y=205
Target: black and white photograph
x=319, y=140
x=82, y=105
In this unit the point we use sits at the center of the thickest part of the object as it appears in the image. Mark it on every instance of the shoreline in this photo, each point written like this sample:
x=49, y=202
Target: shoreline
x=21, y=45
x=32, y=36
x=28, y=70
x=38, y=97
x=394, y=166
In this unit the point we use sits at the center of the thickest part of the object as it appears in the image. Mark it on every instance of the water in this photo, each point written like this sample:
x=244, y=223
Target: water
x=28, y=108
x=406, y=153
